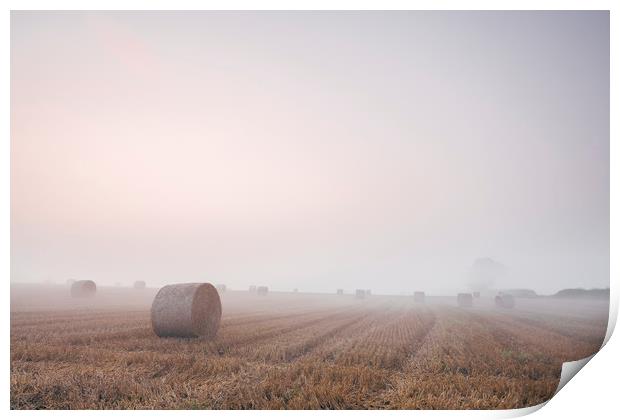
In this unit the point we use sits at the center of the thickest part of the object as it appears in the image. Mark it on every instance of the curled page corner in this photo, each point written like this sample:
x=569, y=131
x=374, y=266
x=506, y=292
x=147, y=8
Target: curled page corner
x=520, y=412
x=570, y=369
x=613, y=316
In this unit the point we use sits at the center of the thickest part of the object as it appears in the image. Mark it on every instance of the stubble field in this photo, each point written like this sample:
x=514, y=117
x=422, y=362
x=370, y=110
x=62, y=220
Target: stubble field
x=294, y=351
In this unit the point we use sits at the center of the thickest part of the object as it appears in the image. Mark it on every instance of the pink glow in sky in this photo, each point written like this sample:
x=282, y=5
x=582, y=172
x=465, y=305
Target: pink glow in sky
x=312, y=150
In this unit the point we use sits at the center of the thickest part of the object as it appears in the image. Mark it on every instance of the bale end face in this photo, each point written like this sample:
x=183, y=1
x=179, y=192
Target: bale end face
x=83, y=288
x=186, y=310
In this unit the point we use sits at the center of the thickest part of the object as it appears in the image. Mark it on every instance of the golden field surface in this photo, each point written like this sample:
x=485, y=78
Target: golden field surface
x=294, y=351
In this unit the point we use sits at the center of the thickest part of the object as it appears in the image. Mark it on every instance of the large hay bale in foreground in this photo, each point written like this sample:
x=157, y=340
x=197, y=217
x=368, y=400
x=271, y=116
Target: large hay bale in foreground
x=505, y=301
x=139, y=284
x=186, y=310
x=419, y=297
x=465, y=300
x=360, y=294
x=221, y=288
x=262, y=290
x=83, y=288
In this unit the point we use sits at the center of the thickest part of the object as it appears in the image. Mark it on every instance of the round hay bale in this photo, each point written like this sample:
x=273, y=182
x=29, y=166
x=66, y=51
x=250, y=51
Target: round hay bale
x=465, y=300
x=139, y=284
x=83, y=288
x=262, y=290
x=186, y=310
x=419, y=297
x=505, y=301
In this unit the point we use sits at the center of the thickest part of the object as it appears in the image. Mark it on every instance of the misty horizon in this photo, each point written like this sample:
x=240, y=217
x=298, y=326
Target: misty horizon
x=311, y=150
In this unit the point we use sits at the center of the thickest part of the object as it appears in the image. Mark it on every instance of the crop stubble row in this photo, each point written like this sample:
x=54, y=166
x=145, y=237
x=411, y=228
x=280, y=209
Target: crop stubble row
x=379, y=354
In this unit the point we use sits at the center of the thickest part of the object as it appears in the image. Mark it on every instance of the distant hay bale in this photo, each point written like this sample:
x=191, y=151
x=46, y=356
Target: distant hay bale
x=295, y=290
x=360, y=294
x=70, y=282
x=221, y=288
x=476, y=294
x=465, y=300
x=340, y=292
x=83, y=288
x=262, y=290
x=252, y=289
x=419, y=297
x=139, y=284
x=368, y=292
x=505, y=301
x=186, y=310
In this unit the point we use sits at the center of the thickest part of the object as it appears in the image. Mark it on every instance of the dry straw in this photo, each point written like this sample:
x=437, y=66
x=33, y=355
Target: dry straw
x=83, y=288
x=186, y=310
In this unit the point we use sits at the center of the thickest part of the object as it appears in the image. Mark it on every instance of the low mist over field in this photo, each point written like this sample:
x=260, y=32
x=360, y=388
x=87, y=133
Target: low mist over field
x=380, y=150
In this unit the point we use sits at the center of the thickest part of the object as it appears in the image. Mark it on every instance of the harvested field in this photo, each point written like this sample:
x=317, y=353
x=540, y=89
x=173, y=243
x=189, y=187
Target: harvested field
x=294, y=351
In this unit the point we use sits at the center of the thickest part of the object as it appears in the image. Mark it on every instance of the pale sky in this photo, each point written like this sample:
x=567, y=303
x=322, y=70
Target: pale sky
x=310, y=150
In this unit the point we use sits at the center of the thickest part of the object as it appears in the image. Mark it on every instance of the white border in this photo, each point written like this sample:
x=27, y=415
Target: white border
x=310, y=5
x=596, y=385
